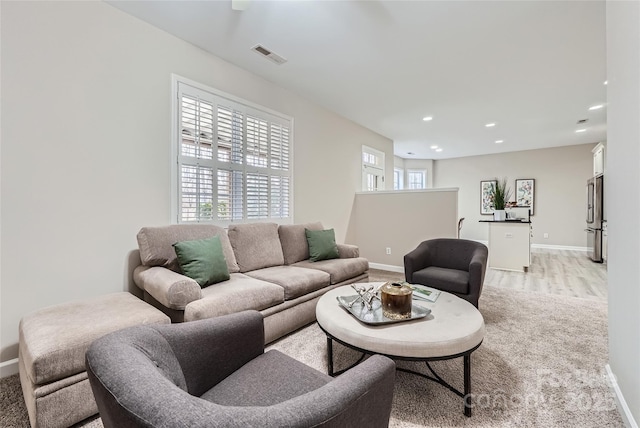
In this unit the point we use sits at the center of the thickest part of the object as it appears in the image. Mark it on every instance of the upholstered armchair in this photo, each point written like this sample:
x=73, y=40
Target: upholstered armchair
x=215, y=373
x=456, y=266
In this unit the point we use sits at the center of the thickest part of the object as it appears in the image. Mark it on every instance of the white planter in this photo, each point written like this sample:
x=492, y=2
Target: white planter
x=499, y=215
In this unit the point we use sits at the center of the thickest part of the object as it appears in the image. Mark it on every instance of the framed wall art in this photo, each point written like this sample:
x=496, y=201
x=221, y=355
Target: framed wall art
x=525, y=192
x=487, y=189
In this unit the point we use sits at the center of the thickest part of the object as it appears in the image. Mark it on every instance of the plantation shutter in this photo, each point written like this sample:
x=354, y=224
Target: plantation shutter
x=233, y=160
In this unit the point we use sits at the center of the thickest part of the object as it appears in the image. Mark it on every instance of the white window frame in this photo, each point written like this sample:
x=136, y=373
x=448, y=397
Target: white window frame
x=422, y=172
x=178, y=82
x=373, y=169
x=398, y=178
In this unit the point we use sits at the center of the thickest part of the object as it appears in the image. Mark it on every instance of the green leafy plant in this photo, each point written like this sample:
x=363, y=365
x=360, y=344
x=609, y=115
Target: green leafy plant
x=501, y=194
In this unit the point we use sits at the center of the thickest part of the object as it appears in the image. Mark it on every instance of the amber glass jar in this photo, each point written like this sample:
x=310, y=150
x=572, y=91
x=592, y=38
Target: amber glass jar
x=396, y=300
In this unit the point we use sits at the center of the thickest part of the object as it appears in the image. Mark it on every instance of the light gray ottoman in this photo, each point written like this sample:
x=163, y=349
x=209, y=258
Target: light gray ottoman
x=53, y=342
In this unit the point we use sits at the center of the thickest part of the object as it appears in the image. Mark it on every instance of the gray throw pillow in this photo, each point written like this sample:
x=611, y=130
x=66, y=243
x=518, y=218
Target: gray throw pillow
x=202, y=260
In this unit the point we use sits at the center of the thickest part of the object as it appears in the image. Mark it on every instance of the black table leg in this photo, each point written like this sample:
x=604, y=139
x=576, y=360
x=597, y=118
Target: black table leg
x=466, y=395
x=330, y=355
x=467, y=385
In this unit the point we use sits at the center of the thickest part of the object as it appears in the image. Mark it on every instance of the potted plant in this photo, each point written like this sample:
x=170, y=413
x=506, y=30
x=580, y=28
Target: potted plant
x=501, y=195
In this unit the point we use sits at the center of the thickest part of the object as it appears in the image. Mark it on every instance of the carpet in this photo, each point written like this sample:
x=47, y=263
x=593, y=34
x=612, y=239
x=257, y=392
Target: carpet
x=541, y=365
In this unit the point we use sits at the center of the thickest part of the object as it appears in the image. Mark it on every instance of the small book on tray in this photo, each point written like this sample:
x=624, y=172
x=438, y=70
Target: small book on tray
x=421, y=292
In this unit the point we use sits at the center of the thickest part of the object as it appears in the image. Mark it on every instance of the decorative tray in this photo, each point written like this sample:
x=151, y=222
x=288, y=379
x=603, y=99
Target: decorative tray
x=374, y=315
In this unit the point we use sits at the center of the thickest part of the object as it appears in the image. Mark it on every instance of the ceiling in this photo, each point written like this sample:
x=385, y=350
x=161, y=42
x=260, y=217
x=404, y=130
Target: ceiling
x=532, y=68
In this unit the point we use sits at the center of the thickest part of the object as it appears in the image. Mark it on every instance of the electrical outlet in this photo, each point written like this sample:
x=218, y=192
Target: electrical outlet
x=545, y=236
x=388, y=250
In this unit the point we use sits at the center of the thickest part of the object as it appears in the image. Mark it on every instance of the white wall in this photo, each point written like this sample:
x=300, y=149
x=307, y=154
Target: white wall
x=86, y=148
x=560, y=175
x=400, y=220
x=622, y=185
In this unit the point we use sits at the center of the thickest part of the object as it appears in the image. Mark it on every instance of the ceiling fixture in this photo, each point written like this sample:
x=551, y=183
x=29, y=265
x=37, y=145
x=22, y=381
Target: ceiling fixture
x=490, y=125
x=438, y=150
x=268, y=54
x=240, y=5
x=597, y=107
x=581, y=130
x=606, y=82
x=499, y=141
x=433, y=147
x=427, y=118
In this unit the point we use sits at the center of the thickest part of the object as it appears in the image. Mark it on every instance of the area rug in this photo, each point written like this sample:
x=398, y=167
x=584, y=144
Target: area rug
x=541, y=365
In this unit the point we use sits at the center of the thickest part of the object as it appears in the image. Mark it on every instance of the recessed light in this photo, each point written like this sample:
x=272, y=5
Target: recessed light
x=499, y=141
x=438, y=150
x=433, y=147
x=581, y=130
x=597, y=107
x=427, y=118
x=606, y=82
x=490, y=125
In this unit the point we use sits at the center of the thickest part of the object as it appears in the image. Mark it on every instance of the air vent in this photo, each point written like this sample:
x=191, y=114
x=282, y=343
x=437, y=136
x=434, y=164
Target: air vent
x=581, y=121
x=268, y=54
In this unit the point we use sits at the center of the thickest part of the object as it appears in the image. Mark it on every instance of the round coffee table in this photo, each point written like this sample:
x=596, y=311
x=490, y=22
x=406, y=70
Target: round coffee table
x=453, y=329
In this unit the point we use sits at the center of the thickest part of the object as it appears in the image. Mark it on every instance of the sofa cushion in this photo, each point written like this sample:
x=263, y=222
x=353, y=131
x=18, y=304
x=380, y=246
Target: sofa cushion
x=296, y=281
x=156, y=243
x=451, y=280
x=202, y=260
x=53, y=340
x=295, y=247
x=292, y=378
x=256, y=245
x=239, y=293
x=322, y=244
x=339, y=269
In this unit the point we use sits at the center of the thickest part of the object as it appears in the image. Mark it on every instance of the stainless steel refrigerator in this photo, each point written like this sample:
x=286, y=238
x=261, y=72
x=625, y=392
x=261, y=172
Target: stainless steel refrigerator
x=594, y=218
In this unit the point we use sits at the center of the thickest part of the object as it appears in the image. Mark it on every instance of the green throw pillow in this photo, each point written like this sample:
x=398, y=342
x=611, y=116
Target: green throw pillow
x=322, y=244
x=202, y=260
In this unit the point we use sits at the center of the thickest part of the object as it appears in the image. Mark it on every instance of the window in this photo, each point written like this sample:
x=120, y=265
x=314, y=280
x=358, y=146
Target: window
x=398, y=179
x=372, y=169
x=417, y=179
x=232, y=159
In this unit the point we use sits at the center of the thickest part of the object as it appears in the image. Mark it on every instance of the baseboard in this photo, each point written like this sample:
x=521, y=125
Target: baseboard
x=390, y=268
x=545, y=246
x=621, y=403
x=9, y=367
x=559, y=247
x=400, y=269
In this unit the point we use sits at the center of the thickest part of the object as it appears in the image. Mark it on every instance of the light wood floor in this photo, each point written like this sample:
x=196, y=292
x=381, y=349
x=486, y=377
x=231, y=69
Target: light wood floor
x=564, y=272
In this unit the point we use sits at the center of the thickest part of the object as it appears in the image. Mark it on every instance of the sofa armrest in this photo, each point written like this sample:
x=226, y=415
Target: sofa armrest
x=416, y=260
x=348, y=251
x=477, y=269
x=170, y=288
x=364, y=394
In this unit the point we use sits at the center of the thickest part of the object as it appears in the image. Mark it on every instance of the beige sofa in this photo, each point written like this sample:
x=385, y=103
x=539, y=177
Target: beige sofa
x=269, y=268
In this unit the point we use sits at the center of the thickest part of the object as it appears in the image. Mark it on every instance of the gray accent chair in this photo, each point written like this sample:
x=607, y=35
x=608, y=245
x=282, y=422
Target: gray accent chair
x=215, y=373
x=456, y=266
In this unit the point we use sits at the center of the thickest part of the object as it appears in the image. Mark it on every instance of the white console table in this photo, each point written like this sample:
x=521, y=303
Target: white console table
x=509, y=244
